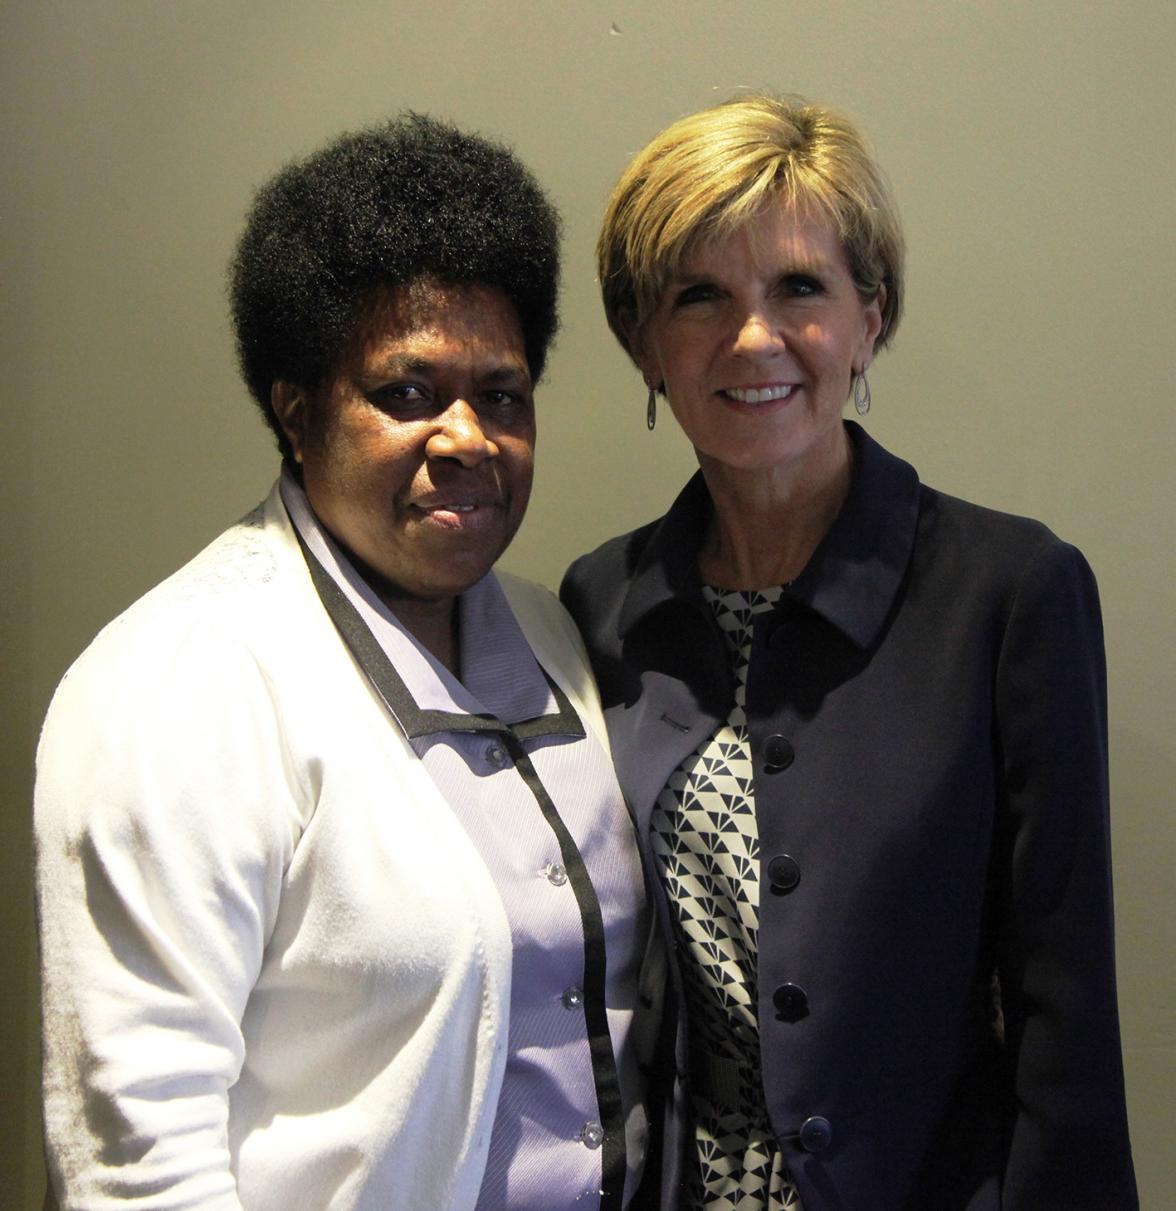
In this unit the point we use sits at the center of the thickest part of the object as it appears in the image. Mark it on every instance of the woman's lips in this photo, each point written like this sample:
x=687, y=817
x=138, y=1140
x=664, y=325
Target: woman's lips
x=458, y=514
x=759, y=395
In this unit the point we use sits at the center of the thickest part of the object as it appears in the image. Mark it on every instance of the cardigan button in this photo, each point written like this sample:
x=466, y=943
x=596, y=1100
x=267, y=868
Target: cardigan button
x=778, y=754
x=816, y=1134
x=791, y=1002
x=783, y=873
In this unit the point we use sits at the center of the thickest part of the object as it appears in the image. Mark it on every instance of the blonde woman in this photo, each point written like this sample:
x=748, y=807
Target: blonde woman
x=861, y=724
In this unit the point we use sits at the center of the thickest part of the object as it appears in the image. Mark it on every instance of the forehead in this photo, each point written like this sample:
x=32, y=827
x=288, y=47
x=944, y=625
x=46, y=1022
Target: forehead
x=779, y=235
x=470, y=318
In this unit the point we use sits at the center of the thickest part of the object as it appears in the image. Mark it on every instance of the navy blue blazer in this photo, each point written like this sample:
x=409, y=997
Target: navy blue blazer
x=927, y=717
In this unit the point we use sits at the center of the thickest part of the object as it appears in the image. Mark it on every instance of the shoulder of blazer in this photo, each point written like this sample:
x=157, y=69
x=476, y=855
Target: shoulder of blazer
x=998, y=546
x=595, y=585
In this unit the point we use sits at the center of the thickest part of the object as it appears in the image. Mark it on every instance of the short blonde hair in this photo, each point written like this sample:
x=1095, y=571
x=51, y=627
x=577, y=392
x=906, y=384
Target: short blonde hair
x=709, y=173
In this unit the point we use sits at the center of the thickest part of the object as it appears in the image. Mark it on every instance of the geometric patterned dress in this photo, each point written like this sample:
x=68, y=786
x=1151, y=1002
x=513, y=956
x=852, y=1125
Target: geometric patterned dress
x=706, y=846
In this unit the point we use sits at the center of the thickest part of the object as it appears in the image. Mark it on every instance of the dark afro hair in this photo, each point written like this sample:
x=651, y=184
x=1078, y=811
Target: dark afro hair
x=379, y=208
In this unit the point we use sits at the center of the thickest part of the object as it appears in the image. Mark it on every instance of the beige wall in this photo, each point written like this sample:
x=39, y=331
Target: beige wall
x=1031, y=148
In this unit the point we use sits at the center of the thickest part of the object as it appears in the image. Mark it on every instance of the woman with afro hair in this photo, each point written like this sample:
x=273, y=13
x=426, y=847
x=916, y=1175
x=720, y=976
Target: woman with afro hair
x=339, y=902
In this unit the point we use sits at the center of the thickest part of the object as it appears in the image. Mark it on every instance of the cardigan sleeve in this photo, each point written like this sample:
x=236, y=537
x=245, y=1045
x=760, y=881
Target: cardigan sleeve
x=1068, y=1144
x=164, y=819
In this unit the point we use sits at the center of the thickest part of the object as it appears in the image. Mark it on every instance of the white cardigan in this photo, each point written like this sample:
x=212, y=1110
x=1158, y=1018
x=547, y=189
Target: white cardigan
x=276, y=970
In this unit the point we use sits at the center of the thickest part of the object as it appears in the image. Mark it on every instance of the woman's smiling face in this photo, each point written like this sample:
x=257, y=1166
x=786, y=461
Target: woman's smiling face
x=756, y=339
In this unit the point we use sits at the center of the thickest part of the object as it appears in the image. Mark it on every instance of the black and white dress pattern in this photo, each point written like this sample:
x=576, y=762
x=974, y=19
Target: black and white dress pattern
x=706, y=843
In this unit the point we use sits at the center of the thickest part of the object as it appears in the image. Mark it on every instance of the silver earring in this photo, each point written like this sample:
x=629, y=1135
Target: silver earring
x=651, y=409
x=861, y=392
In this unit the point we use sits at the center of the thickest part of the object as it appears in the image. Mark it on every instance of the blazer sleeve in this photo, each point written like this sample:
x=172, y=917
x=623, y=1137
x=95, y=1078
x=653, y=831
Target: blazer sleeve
x=1068, y=1144
x=163, y=824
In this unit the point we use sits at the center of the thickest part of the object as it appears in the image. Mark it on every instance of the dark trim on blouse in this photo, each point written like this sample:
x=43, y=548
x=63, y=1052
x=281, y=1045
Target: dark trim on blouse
x=415, y=723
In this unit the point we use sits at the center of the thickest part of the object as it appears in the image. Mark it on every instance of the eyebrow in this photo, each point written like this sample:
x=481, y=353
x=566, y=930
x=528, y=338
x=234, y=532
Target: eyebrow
x=507, y=375
x=501, y=374
x=810, y=265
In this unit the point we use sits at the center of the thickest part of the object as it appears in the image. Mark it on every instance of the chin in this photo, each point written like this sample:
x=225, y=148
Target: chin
x=756, y=459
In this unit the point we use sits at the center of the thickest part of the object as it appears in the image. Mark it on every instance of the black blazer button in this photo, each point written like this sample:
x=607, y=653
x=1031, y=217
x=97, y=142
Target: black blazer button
x=778, y=754
x=791, y=1003
x=784, y=873
x=816, y=1134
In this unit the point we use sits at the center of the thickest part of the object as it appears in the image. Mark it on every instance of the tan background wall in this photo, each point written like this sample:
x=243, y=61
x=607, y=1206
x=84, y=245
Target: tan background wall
x=1031, y=148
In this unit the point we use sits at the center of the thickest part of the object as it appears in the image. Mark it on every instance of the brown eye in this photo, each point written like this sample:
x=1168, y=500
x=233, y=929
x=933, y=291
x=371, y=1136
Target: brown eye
x=399, y=399
x=802, y=285
x=698, y=292
x=503, y=399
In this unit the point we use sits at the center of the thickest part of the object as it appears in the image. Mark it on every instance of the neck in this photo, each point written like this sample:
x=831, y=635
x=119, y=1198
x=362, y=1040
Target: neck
x=433, y=624
x=767, y=523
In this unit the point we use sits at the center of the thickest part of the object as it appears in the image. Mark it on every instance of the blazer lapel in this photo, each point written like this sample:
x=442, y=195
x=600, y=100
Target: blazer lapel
x=651, y=736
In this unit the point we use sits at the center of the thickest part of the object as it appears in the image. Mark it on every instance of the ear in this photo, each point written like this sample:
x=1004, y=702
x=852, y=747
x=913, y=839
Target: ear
x=290, y=407
x=644, y=358
x=873, y=317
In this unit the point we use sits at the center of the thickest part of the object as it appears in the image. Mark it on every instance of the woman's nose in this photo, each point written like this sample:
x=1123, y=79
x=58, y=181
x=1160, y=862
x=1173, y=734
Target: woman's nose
x=459, y=435
x=757, y=334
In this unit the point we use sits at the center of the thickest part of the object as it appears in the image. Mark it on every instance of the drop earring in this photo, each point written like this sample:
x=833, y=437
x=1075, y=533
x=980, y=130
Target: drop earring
x=861, y=392
x=651, y=409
